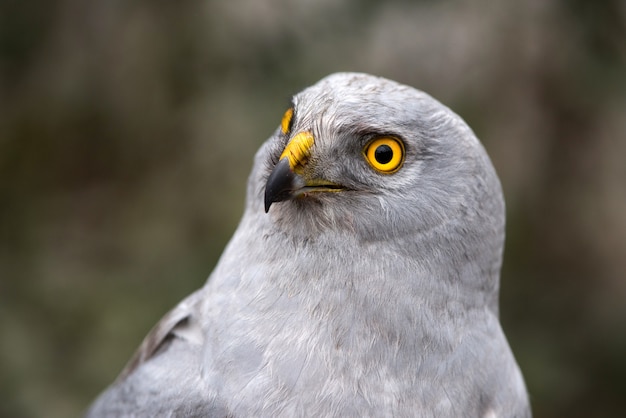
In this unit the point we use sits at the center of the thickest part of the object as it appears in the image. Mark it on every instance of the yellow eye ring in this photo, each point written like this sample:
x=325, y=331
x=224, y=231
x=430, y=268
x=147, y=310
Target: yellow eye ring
x=286, y=122
x=385, y=154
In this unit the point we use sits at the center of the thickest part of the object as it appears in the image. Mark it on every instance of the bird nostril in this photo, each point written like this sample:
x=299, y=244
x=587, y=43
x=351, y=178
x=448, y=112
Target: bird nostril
x=298, y=150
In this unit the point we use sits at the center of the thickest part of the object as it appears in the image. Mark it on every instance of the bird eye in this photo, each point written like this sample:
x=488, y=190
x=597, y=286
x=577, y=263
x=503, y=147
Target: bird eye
x=385, y=154
x=287, y=121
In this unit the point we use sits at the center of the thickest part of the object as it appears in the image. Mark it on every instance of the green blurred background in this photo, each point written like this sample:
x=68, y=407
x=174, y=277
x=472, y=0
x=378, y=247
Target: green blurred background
x=127, y=130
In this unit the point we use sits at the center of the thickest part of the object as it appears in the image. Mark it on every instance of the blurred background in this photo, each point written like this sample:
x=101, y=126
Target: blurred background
x=127, y=130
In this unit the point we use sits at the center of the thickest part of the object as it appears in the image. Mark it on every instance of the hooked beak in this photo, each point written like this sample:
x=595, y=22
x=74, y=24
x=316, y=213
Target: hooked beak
x=289, y=179
x=284, y=184
x=281, y=183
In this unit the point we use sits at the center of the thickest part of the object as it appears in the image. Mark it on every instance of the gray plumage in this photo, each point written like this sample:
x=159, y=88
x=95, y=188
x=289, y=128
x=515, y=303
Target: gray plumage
x=359, y=293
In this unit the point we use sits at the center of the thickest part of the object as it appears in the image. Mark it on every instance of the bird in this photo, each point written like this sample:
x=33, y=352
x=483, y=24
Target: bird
x=362, y=280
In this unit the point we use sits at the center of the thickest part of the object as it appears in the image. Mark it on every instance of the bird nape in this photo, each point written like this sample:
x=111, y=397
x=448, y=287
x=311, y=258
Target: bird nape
x=362, y=280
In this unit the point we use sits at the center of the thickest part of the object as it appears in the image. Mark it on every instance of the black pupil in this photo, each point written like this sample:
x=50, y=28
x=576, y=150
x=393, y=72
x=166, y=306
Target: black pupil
x=383, y=154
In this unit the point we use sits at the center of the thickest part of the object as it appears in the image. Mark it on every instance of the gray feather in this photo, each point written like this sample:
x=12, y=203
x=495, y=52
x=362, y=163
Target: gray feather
x=380, y=300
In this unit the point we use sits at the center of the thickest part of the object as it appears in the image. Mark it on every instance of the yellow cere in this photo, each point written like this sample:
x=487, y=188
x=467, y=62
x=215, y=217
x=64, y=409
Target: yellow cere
x=285, y=123
x=298, y=150
x=385, y=154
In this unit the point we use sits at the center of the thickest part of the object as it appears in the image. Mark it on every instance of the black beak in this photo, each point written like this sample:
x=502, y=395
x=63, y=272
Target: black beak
x=280, y=183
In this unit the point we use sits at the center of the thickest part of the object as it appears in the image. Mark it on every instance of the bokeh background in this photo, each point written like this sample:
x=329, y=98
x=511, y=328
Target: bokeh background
x=127, y=130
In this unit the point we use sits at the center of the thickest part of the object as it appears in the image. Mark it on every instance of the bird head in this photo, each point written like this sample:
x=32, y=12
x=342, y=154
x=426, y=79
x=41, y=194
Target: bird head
x=379, y=159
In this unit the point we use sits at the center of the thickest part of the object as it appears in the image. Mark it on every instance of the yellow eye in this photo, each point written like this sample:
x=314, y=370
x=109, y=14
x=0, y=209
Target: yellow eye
x=385, y=154
x=285, y=124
